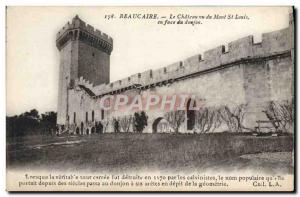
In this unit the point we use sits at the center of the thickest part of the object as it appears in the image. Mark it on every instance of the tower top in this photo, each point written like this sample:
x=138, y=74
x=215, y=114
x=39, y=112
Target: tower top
x=78, y=30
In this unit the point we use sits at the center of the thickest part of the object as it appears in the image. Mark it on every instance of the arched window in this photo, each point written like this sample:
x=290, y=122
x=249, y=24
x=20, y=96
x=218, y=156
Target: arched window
x=93, y=116
x=86, y=117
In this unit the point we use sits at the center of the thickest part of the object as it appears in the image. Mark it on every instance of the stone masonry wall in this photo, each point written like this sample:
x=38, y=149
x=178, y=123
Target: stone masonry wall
x=248, y=73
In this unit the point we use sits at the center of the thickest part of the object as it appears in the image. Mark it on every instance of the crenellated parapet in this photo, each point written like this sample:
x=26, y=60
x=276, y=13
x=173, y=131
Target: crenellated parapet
x=86, y=83
x=272, y=44
x=78, y=30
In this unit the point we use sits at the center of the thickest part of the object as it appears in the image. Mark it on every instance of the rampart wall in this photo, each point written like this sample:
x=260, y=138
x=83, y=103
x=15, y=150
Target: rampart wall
x=243, y=49
x=246, y=73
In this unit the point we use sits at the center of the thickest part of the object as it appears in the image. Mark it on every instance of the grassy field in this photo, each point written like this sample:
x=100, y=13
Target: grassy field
x=181, y=152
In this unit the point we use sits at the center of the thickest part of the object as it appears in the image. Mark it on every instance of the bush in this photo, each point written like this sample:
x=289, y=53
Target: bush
x=31, y=123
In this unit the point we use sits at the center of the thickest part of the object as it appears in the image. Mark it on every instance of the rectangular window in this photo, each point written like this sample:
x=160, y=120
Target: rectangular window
x=74, y=117
x=86, y=117
x=102, y=114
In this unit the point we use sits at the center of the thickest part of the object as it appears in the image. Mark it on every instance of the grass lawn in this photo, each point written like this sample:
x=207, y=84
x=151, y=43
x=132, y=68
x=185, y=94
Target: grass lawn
x=127, y=151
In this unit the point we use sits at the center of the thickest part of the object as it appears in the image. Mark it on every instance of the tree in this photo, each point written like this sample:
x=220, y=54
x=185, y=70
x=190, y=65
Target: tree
x=31, y=123
x=99, y=127
x=207, y=119
x=105, y=124
x=126, y=122
x=175, y=119
x=32, y=113
x=116, y=125
x=234, y=117
x=280, y=114
x=140, y=121
x=48, y=122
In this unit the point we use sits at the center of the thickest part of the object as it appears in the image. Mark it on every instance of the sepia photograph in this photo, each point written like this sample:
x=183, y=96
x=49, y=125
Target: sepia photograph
x=150, y=98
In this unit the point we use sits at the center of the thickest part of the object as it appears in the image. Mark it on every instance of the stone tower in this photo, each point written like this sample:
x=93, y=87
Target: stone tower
x=84, y=52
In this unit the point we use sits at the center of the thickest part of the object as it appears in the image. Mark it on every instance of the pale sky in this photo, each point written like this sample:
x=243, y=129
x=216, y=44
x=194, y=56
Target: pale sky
x=139, y=45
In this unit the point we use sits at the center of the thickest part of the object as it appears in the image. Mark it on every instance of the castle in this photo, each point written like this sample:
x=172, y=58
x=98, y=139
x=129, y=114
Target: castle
x=246, y=73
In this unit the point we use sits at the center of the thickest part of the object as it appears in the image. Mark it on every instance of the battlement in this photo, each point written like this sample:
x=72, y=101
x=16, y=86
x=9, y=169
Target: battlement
x=272, y=43
x=86, y=83
x=79, y=30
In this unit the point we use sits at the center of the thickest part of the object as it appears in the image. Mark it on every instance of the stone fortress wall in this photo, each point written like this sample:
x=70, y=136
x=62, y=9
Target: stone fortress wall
x=246, y=73
x=241, y=49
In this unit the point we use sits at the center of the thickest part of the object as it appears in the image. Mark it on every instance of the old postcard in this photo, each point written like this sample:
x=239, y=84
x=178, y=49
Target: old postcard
x=150, y=99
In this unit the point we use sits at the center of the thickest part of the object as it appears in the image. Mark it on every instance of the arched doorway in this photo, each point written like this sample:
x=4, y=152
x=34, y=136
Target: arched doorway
x=81, y=128
x=161, y=125
x=87, y=131
x=77, y=130
x=191, y=114
x=155, y=123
